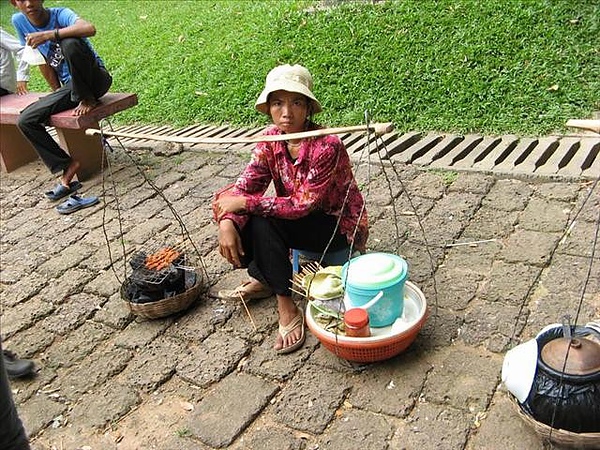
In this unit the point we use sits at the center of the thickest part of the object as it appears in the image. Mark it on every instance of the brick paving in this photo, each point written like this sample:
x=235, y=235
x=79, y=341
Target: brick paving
x=206, y=379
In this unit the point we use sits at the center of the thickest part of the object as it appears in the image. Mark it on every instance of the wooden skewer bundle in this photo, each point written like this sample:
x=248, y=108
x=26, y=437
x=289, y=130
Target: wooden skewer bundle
x=298, y=278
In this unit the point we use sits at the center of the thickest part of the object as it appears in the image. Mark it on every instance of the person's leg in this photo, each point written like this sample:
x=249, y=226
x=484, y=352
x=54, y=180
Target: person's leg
x=254, y=288
x=32, y=122
x=89, y=80
x=12, y=433
x=271, y=242
x=288, y=313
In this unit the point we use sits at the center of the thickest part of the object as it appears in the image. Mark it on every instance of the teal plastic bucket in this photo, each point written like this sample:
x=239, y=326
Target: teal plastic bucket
x=366, y=275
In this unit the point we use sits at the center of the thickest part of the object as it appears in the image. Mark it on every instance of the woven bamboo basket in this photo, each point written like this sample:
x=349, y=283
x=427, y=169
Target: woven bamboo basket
x=167, y=306
x=556, y=436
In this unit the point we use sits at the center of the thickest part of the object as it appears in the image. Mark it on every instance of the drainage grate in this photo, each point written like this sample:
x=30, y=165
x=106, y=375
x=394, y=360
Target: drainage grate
x=553, y=156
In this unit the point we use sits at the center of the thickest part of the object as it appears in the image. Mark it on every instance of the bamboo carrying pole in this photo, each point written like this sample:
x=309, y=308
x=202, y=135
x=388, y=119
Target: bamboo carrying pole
x=585, y=124
x=377, y=128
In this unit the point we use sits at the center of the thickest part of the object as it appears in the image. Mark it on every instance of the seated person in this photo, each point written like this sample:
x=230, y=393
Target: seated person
x=74, y=71
x=317, y=202
x=12, y=80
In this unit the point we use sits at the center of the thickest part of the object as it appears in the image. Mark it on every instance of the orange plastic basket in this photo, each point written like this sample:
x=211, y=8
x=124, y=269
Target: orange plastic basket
x=378, y=347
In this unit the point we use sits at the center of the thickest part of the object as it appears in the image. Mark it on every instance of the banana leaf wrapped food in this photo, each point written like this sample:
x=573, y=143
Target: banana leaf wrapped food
x=325, y=291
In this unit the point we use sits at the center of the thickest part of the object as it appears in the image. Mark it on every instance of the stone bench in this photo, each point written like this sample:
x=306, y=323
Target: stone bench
x=16, y=151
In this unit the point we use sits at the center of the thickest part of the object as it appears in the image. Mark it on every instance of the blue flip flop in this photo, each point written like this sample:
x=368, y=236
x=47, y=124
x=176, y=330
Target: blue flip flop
x=75, y=203
x=60, y=190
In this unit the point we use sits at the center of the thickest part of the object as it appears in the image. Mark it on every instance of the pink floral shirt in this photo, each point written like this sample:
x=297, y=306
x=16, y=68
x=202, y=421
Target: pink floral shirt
x=317, y=180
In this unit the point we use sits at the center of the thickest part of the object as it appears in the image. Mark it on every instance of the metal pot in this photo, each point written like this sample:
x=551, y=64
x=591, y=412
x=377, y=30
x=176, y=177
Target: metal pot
x=565, y=393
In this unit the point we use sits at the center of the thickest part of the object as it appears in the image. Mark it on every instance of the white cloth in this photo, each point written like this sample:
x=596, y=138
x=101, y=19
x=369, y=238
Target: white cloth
x=11, y=48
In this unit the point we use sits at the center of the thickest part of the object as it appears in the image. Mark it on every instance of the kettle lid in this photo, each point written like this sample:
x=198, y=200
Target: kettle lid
x=582, y=355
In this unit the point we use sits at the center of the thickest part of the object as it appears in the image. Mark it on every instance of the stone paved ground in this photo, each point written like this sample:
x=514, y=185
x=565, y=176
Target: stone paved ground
x=205, y=379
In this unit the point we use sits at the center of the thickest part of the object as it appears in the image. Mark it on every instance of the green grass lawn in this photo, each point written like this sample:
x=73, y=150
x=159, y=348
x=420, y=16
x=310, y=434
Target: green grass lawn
x=460, y=66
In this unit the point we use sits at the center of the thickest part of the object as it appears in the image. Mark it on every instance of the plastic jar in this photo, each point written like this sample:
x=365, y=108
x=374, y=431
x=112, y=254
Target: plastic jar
x=357, y=323
x=366, y=275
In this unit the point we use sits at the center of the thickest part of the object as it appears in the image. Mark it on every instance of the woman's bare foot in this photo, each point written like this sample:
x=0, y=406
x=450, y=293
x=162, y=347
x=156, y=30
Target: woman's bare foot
x=248, y=290
x=70, y=172
x=85, y=106
x=288, y=312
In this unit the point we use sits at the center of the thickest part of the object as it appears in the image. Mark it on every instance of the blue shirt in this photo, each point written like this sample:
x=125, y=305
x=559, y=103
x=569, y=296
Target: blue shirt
x=59, y=18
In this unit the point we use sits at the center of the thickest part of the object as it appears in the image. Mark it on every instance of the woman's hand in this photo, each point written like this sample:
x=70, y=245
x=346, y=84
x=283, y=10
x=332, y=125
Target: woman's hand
x=229, y=204
x=230, y=243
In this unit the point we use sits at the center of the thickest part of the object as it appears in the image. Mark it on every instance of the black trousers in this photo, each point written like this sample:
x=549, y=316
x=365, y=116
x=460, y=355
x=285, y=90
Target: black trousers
x=88, y=80
x=12, y=433
x=267, y=243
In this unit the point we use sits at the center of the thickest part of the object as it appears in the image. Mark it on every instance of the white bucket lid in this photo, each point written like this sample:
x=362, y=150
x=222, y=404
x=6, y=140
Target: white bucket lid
x=375, y=270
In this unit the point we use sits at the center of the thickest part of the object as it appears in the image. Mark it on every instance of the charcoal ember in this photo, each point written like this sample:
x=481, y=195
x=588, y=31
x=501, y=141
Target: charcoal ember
x=142, y=286
x=137, y=260
x=180, y=260
x=135, y=294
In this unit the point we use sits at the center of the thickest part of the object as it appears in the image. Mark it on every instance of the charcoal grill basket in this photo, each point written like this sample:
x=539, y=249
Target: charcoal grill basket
x=142, y=275
x=167, y=306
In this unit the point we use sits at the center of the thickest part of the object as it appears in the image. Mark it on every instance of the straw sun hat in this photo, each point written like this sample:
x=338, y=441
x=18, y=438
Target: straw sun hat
x=291, y=79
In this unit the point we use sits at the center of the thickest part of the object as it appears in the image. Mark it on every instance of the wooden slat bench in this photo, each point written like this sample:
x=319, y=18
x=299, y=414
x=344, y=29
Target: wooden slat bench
x=16, y=151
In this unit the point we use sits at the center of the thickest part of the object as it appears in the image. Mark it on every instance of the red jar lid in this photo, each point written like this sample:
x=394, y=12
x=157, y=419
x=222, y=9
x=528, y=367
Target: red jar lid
x=356, y=317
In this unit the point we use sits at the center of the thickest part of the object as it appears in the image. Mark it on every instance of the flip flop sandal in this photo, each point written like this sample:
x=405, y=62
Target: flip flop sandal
x=75, y=203
x=296, y=322
x=234, y=294
x=61, y=191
